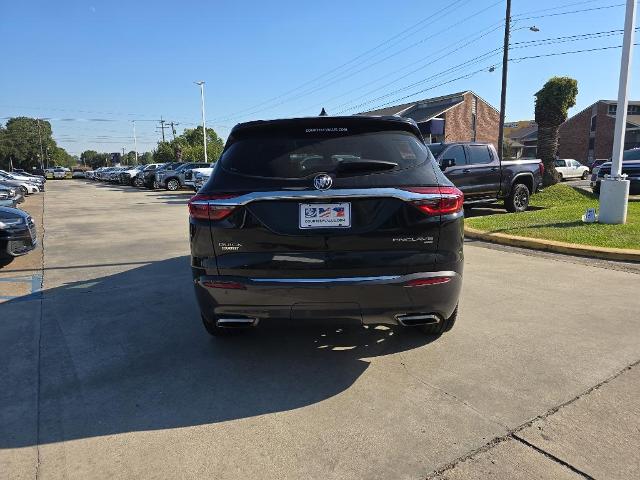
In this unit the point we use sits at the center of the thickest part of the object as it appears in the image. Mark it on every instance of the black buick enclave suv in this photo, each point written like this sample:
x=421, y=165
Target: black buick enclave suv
x=341, y=218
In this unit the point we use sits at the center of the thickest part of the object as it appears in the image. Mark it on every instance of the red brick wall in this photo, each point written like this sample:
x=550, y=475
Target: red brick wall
x=573, y=139
x=488, y=124
x=457, y=122
x=605, y=126
x=459, y=126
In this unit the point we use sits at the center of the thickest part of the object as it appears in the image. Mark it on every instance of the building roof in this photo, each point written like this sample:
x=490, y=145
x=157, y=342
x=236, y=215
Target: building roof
x=525, y=133
x=422, y=110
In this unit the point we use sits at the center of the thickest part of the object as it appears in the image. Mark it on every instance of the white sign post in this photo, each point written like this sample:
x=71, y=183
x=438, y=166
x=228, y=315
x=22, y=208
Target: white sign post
x=614, y=189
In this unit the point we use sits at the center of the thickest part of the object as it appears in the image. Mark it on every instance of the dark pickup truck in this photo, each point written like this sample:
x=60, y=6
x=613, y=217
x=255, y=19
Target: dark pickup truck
x=475, y=168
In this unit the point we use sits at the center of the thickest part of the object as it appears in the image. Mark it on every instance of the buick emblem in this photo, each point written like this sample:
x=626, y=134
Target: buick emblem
x=322, y=181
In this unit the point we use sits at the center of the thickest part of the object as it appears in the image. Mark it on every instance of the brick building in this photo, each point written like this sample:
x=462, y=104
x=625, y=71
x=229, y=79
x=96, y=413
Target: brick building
x=459, y=117
x=588, y=135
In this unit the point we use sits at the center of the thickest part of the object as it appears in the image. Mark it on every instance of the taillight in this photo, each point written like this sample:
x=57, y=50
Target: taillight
x=448, y=200
x=201, y=209
x=541, y=168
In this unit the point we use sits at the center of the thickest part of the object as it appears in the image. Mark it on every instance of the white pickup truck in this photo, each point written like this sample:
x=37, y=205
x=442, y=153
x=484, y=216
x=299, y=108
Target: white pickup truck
x=197, y=177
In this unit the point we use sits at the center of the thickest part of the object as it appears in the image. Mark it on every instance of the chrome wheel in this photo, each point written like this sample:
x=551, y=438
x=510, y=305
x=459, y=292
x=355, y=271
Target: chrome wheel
x=173, y=185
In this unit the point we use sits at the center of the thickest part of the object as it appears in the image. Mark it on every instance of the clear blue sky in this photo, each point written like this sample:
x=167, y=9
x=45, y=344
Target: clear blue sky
x=114, y=61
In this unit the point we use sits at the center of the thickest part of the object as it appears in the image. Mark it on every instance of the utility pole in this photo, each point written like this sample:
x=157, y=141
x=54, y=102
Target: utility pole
x=505, y=62
x=135, y=140
x=173, y=128
x=163, y=126
x=204, y=123
x=614, y=188
x=41, y=151
x=123, y=157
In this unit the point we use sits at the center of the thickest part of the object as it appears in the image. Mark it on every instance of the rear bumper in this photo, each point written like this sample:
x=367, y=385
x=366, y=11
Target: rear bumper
x=367, y=300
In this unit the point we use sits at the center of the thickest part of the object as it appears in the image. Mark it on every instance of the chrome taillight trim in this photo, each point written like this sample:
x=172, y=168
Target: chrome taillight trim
x=322, y=195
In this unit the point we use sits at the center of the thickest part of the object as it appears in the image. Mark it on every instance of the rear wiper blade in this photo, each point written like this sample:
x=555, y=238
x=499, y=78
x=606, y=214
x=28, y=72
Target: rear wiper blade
x=364, y=166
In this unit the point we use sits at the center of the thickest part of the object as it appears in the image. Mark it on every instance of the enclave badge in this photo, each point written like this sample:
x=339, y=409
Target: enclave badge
x=322, y=181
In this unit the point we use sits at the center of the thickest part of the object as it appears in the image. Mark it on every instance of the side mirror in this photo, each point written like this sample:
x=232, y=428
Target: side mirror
x=447, y=162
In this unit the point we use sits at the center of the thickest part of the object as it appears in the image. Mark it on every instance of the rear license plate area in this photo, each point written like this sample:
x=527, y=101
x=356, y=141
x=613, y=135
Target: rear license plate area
x=324, y=215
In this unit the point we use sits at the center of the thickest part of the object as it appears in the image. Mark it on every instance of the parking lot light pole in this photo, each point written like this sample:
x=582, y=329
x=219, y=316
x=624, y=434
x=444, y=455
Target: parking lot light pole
x=135, y=140
x=204, y=123
x=614, y=188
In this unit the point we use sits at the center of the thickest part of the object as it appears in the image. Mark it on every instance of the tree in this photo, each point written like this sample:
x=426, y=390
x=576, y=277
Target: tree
x=553, y=102
x=93, y=159
x=189, y=147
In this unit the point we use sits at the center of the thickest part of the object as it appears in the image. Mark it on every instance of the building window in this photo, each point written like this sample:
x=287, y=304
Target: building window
x=631, y=109
x=593, y=123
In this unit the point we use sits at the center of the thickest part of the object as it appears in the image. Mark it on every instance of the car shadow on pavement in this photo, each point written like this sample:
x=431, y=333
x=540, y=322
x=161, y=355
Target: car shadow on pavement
x=127, y=352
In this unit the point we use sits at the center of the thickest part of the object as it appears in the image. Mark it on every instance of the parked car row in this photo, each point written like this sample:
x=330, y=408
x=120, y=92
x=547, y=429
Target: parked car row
x=23, y=182
x=168, y=176
x=630, y=168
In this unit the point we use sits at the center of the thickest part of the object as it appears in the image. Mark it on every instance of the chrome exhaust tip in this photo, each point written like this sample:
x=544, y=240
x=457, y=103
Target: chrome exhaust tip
x=237, y=322
x=417, y=319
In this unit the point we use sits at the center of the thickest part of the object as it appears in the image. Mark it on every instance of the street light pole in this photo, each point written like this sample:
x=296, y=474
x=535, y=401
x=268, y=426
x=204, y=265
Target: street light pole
x=614, y=188
x=204, y=123
x=135, y=140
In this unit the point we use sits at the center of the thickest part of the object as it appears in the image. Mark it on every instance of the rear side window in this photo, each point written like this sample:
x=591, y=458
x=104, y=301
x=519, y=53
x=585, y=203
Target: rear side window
x=456, y=153
x=300, y=156
x=479, y=154
x=560, y=163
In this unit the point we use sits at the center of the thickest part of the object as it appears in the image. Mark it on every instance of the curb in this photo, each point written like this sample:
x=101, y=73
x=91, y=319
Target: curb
x=620, y=254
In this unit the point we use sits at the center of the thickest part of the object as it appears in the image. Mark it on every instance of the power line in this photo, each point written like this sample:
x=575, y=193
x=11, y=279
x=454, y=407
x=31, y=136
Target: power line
x=567, y=53
x=571, y=12
x=447, y=71
x=333, y=80
x=335, y=69
x=476, y=36
x=557, y=7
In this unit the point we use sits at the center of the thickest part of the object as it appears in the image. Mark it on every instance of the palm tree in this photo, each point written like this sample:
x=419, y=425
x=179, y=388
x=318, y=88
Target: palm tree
x=553, y=101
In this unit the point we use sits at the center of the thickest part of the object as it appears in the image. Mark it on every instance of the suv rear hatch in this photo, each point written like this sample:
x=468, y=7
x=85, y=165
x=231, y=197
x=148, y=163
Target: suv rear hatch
x=331, y=197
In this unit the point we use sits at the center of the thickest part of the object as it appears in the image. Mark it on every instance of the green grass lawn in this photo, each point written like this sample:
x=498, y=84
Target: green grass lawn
x=556, y=214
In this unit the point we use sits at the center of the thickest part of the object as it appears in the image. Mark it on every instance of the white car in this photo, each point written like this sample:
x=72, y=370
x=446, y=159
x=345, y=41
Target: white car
x=59, y=173
x=569, y=168
x=191, y=175
x=27, y=186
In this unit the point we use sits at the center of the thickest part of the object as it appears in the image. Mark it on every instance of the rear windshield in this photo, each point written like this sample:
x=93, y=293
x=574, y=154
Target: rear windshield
x=280, y=156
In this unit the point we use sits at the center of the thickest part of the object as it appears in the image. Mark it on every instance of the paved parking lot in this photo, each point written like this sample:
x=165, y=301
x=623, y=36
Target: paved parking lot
x=109, y=374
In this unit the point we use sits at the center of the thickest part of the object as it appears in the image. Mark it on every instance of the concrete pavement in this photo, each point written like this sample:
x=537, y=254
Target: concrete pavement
x=115, y=378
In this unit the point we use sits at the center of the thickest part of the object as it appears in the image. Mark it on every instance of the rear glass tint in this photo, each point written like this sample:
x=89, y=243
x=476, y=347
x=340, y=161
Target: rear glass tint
x=298, y=156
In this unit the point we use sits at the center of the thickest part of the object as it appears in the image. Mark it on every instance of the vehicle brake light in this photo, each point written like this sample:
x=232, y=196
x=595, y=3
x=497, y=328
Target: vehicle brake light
x=541, y=168
x=201, y=209
x=450, y=200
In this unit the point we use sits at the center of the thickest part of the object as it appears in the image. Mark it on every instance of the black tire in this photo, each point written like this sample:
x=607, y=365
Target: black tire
x=585, y=175
x=560, y=177
x=137, y=182
x=24, y=191
x=442, y=327
x=172, y=184
x=518, y=199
